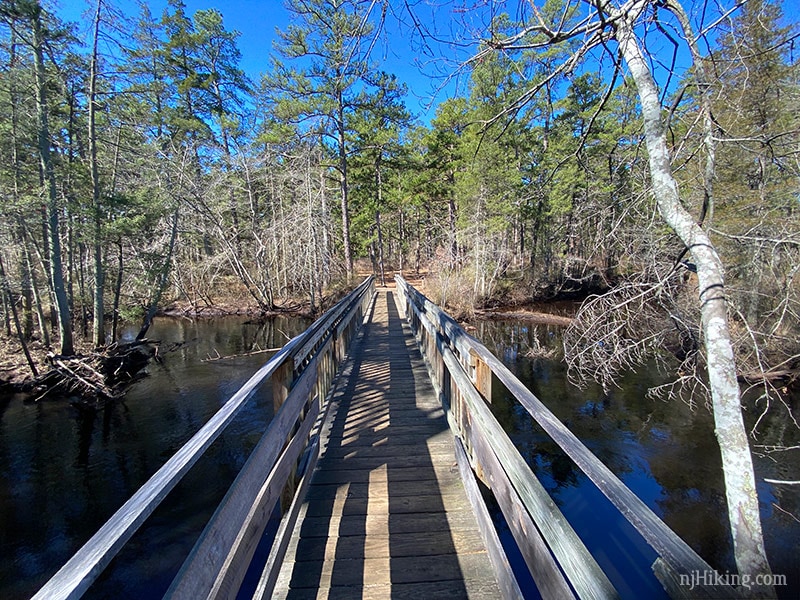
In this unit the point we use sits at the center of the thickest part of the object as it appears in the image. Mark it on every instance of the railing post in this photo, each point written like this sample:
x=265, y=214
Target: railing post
x=282, y=381
x=481, y=376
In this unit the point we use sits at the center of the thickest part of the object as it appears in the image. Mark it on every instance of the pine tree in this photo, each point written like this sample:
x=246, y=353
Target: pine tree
x=325, y=72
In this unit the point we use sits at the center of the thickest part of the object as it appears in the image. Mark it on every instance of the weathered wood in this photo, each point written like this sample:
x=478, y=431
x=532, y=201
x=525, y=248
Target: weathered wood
x=429, y=590
x=541, y=564
x=671, y=583
x=282, y=380
x=388, y=546
x=269, y=575
x=75, y=577
x=406, y=569
x=481, y=376
x=209, y=560
x=271, y=571
x=675, y=554
x=332, y=319
x=386, y=507
x=671, y=548
x=502, y=569
x=237, y=561
x=580, y=567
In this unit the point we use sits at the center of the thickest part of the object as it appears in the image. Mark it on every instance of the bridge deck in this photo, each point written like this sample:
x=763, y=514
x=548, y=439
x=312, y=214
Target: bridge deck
x=386, y=515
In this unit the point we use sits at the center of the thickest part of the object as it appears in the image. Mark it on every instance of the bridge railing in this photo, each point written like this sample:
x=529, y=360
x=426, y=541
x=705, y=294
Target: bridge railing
x=301, y=373
x=462, y=369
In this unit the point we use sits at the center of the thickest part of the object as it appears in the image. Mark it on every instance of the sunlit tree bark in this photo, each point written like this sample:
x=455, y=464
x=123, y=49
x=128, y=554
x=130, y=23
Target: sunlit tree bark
x=737, y=463
x=602, y=24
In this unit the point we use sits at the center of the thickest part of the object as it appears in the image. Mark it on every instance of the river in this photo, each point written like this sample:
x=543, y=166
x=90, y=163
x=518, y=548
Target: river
x=65, y=471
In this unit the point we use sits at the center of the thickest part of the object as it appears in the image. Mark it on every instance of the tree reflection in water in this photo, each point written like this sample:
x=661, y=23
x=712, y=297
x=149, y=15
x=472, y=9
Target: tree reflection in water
x=664, y=451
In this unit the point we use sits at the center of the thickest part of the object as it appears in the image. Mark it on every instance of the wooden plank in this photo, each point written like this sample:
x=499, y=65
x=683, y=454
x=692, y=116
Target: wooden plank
x=481, y=376
x=541, y=564
x=78, y=573
x=379, y=516
x=346, y=525
x=421, y=487
x=332, y=317
x=580, y=567
x=269, y=575
x=420, y=463
x=472, y=588
x=233, y=570
x=405, y=569
x=502, y=569
x=397, y=503
x=675, y=553
x=209, y=554
x=439, y=445
x=389, y=546
x=282, y=381
x=438, y=472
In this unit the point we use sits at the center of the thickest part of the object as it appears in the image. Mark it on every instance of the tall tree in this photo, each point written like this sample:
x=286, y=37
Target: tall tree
x=98, y=331
x=30, y=14
x=379, y=127
x=328, y=47
x=598, y=26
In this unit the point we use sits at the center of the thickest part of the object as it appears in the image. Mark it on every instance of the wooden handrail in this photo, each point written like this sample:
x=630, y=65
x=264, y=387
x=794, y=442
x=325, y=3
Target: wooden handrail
x=216, y=566
x=80, y=571
x=467, y=388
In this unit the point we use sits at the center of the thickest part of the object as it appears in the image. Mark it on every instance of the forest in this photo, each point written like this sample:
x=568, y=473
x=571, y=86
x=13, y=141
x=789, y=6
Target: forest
x=642, y=158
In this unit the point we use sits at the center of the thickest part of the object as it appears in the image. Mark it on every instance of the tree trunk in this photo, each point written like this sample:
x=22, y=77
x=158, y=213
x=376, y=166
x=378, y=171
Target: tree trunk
x=117, y=294
x=56, y=267
x=37, y=296
x=379, y=183
x=25, y=275
x=6, y=291
x=163, y=278
x=452, y=232
x=98, y=310
x=737, y=464
x=343, y=185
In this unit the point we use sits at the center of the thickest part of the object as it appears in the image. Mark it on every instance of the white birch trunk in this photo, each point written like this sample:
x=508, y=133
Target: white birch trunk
x=737, y=464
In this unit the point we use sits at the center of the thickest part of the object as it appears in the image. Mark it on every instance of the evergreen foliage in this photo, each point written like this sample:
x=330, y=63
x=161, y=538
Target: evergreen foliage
x=212, y=190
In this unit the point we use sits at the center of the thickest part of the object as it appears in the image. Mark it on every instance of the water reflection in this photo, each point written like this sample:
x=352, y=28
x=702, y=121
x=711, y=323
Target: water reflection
x=665, y=452
x=63, y=472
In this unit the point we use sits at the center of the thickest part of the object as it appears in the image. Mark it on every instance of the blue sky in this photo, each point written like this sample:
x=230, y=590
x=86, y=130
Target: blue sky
x=399, y=50
x=256, y=21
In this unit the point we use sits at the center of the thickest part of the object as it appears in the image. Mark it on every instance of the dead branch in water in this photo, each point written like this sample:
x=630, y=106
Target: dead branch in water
x=230, y=356
x=97, y=377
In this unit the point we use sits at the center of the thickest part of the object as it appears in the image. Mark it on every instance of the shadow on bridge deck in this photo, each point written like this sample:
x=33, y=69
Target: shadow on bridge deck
x=386, y=515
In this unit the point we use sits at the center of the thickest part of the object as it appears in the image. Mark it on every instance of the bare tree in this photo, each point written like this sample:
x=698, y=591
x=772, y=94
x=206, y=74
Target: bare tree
x=590, y=29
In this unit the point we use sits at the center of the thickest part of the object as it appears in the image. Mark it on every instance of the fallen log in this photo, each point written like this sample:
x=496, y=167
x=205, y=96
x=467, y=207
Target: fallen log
x=780, y=376
x=218, y=356
x=526, y=315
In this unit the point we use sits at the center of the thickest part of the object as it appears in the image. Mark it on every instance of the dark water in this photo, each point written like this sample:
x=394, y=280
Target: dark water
x=63, y=472
x=664, y=451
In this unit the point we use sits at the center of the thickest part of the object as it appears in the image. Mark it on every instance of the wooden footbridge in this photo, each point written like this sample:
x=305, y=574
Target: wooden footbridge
x=379, y=462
